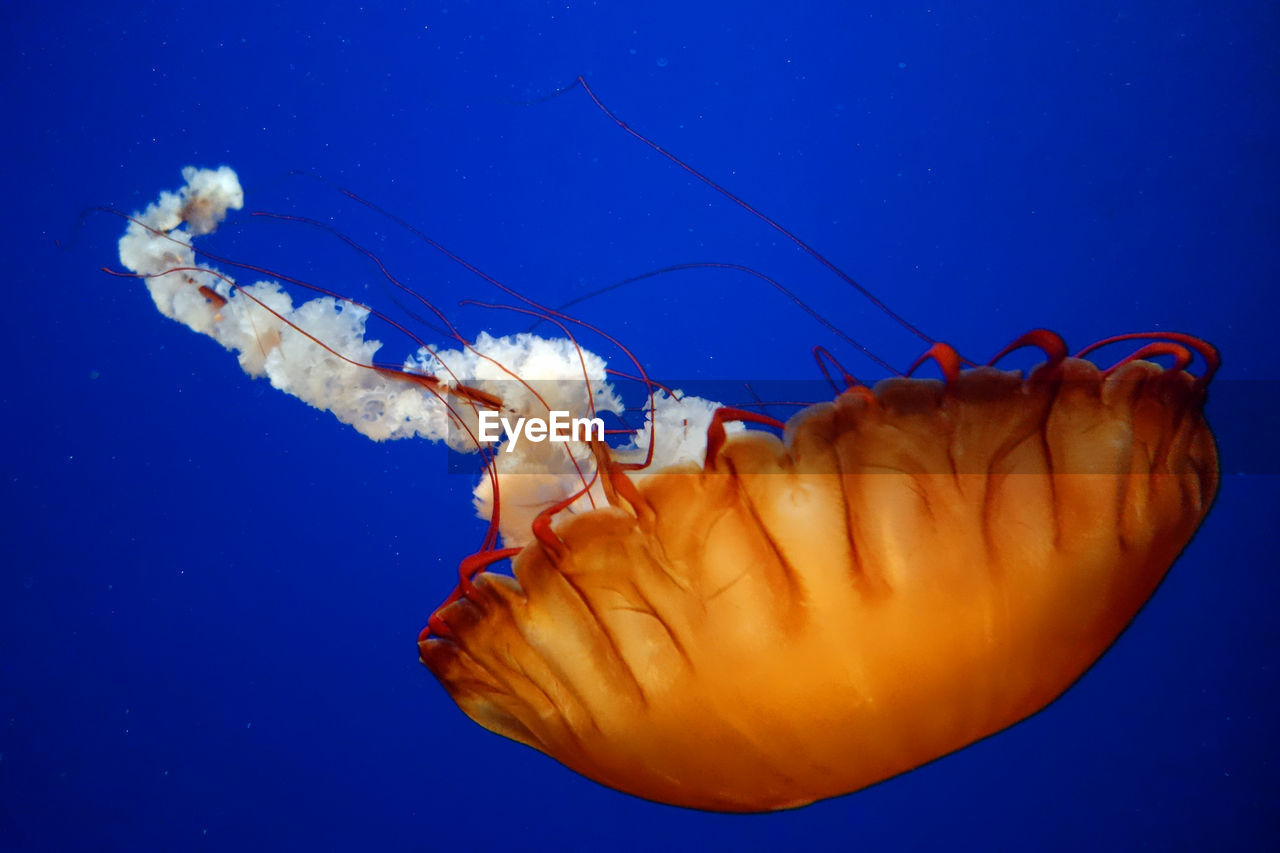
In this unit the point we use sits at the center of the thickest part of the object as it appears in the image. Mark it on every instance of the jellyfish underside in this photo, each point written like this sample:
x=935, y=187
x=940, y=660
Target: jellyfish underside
x=911, y=571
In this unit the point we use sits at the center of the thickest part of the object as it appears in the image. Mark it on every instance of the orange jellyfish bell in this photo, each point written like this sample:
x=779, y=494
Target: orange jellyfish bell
x=911, y=569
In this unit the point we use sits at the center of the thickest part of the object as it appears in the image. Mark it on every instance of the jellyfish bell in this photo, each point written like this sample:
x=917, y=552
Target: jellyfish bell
x=912, y=568
x=725, y=619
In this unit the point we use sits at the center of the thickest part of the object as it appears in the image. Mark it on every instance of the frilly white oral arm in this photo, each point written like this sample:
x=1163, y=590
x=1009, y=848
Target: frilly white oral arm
x=272, y=337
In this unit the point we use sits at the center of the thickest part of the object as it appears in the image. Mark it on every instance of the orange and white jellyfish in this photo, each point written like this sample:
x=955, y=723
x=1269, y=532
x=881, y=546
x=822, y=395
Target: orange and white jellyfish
x=719, y=618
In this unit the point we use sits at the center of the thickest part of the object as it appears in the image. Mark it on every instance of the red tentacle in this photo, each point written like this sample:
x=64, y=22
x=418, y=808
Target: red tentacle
x=716, y=434
x=1207, y=351
x=947, y=358
x=1051, y=343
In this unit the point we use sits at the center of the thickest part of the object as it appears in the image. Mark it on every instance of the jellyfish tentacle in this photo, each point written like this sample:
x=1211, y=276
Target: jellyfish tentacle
x=626, y=489
x=772, y=223
x=468, y=568
x=1182, y=357
x=1051, y=343
x=716, y=433
x=1207, y=351
x=947, y=358
x=473, y=564
x=821, y=355
x=552, y=545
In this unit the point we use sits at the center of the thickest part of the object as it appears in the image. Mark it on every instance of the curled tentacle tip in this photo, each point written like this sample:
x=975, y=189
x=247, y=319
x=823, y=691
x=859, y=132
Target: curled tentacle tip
x=947, y=358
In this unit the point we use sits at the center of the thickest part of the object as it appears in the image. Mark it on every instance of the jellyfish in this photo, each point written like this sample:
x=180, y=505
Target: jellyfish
x=712, y=615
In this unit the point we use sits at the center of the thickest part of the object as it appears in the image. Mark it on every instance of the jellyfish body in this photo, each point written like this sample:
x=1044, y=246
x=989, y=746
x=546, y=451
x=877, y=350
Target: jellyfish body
x=911, y=570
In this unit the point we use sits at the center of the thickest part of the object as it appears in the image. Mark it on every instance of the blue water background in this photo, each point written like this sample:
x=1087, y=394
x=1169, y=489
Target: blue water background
x=209, y=593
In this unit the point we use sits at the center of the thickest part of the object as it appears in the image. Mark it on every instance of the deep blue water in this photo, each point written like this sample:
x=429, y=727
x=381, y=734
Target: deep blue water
x=210, y=593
